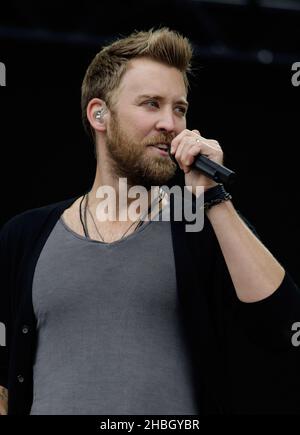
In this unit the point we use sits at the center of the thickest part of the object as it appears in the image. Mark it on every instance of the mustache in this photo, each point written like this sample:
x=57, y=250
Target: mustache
x=160, y=138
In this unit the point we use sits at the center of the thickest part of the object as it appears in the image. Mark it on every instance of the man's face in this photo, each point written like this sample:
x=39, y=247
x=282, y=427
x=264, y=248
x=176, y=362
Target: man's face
x=150, y=110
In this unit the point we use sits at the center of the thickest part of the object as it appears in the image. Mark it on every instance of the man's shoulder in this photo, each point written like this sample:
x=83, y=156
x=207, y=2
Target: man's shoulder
x=32, y=220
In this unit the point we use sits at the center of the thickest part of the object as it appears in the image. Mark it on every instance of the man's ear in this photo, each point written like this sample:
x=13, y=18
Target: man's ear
x=97, y=112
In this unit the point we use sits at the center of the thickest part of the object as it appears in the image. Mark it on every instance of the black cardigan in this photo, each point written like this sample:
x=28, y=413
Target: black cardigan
x=237, y=348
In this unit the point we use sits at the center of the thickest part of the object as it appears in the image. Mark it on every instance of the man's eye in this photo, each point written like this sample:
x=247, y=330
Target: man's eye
x=181, y=110
x=151, y=103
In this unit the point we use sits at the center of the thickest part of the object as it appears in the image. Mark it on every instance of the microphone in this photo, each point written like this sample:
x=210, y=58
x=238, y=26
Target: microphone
x=213, y=170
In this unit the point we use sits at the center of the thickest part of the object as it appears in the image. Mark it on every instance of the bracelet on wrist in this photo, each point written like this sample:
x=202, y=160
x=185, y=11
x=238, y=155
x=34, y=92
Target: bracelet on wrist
x=215, y=195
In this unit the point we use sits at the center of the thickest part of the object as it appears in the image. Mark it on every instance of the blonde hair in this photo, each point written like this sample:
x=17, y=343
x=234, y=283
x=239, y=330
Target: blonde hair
x=106, y=70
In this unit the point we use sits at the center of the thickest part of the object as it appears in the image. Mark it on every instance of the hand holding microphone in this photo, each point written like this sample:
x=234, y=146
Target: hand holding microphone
x=189, y=144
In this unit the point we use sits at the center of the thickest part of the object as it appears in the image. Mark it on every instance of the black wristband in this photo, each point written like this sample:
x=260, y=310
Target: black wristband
x=215, y=195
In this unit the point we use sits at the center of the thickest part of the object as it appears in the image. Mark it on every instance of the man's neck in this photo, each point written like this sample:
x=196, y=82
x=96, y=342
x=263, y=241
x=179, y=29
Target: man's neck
x=114, y=193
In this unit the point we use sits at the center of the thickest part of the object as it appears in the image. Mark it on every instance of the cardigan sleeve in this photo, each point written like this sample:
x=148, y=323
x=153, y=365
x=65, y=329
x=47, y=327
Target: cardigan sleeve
x=273, y=320
x=261, y=345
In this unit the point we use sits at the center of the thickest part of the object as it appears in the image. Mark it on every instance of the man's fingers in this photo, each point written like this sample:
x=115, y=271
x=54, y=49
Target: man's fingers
x=197, y=132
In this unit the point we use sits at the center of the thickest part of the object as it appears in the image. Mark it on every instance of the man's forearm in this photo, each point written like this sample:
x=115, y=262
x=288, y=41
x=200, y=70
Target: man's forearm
x=3, y=401
x=255, y=273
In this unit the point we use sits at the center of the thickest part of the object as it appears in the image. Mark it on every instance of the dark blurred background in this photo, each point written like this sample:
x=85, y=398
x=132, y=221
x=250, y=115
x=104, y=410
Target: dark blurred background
x=242, y=96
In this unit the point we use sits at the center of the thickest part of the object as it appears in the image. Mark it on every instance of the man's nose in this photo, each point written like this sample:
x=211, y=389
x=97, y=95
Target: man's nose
x=166, y=121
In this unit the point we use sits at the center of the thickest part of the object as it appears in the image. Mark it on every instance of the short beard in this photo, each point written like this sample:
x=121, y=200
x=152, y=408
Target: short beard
x=133, y=161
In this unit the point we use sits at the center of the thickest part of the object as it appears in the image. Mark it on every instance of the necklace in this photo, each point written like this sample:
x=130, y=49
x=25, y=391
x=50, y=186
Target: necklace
x=139, y=221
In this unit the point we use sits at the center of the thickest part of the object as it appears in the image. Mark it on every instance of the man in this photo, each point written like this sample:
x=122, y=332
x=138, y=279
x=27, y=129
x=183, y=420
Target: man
x=121, y=316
